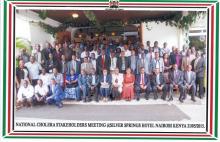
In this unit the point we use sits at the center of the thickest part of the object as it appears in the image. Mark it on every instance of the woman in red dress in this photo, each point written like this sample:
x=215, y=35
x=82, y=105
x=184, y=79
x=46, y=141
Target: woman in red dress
x=128, y=85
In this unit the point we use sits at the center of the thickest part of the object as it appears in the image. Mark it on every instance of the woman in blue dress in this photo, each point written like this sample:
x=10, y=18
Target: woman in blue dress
x=72, y=89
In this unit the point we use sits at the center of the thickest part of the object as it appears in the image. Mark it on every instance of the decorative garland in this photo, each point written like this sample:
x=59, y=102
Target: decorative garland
x=177, y=20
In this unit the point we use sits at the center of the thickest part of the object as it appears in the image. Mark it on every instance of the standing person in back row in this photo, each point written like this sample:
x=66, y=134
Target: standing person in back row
x=103, y=62
x=123, y=62
x=157, y=63
x=34, y=69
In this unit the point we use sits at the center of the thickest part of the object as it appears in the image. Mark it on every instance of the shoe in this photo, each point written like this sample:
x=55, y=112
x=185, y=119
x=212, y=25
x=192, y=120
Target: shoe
x=60, y=105
x=163, y=98
x=201, y=97
x=170, y=99
x=181, y=100
x=193, y=99
x=147, y=98
x=155, y=97
x=138, y=99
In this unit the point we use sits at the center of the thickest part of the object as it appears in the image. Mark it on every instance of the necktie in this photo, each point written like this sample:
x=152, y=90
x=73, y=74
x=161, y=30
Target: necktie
x=103, y=61
x=142, y=79
x=86, y=66
x=158, y=80
x=189, y=77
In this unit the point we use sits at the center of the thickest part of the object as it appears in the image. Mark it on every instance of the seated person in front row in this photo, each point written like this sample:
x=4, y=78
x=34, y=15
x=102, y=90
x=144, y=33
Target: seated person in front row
x=83, y=86
x=40, y=92
x=56, y=94
x=159, y=84
x=105, y=81
x=142, y=84
x=117, y=84
x=128, y=85
x=93, y=84
x=189, y=78
x=176, y=78
x=72, y=88
x=25, y=95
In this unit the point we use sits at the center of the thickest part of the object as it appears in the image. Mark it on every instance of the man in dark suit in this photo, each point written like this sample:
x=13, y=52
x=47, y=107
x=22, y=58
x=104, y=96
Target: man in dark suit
x=62, y=65
x=189, y=78
x=176, y=57
x=82, y=80
x=199, y=68
x=51, y=63
x=56, y=94
x=46, y=51
x=123, y=62
x=159, y=84
x=142, y=84
x=133, y=62
x=105, y=84
x=73, y=64
x=103, y=62
x=176, y=81
x=93, y=84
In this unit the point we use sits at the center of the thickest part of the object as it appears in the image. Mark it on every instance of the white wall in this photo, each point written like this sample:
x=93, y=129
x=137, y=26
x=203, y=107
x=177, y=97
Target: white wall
x=32, y=31
x=162, y=33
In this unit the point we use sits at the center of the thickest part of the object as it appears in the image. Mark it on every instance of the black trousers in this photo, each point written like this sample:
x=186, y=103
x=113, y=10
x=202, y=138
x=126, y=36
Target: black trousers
x=200, y=83
x=34, y=82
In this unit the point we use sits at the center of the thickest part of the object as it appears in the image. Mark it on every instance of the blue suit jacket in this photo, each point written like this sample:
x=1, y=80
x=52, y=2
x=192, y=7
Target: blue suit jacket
x=108, y=79
x=58, y=92
x=161, y=77
x=89, y=80
x=138, y=80
x=82, y=80
x=179, y=78
x=192, y=81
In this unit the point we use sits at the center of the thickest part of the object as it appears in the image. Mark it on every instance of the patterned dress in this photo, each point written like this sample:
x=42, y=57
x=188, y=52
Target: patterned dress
x=71, y=88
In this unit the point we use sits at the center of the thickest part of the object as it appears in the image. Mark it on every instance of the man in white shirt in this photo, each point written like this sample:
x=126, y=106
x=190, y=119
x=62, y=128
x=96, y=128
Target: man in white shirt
x=34, y=70
x=165, y=49
x=147, y=46
x=25, y=95
x=117, y=84
x=84, y=54
x=40, y=92
x=95, y=52
x=45, y=77
x=37, y=53
x=127, y=51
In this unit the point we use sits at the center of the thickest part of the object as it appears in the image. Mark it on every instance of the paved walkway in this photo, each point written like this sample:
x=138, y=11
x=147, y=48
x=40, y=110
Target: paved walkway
x=143, y=110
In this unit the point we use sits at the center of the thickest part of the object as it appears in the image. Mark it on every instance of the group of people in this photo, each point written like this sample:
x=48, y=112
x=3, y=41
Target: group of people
x=107, y=70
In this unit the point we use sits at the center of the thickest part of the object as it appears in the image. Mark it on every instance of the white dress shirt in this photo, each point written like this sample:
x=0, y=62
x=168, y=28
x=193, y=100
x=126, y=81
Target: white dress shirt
x=113, y=63
x=27, y=92
x=34, y=69
x=127, y=53
x=42, y=90
x=46, y=78
x=119, y=77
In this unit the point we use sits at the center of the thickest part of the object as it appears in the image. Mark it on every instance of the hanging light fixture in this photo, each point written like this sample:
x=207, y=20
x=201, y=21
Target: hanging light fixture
x=75, y=15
